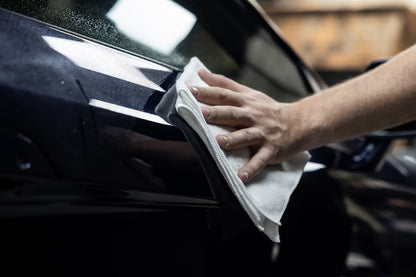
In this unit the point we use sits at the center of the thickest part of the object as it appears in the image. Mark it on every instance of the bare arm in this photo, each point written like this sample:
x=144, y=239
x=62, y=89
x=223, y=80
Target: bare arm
x=381, y=98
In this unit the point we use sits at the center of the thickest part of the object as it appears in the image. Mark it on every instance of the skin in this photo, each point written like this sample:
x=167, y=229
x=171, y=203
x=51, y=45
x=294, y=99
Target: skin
x=381, y=98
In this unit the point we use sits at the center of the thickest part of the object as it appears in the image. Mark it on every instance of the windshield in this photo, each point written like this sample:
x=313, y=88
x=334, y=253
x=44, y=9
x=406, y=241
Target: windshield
x=222, y=34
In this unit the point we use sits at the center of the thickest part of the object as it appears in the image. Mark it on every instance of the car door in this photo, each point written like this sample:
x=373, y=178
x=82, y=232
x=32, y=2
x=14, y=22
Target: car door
x=93, y=182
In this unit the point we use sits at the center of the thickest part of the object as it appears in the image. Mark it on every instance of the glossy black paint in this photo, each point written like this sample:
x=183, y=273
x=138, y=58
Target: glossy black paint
x=86, y=190
x=45, y=99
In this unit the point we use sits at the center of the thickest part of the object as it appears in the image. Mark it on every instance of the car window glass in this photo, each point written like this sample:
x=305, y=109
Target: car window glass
x=221, y=33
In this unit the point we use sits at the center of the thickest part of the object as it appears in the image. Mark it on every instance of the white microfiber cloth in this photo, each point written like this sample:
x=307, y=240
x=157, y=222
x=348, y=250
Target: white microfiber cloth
x=265, y=197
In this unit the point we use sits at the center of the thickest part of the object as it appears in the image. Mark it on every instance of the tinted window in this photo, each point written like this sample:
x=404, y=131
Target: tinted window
x=223, y=34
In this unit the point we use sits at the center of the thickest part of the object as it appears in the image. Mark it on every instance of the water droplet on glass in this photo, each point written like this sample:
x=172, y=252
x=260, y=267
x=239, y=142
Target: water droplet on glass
x=25, y=166
x=23, y=163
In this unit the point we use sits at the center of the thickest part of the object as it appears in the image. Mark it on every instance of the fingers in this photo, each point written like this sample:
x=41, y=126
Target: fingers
x=240, y=138
x=227, y=116
x=216, y=80
x=232, y=104
x=248, y=137
x=262, y=158
x=217, y=96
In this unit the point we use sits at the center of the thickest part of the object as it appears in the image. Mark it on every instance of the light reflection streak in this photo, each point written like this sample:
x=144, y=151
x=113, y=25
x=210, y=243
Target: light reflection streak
x=103, y=60
x=126, y=111
x=312, y=166
x=159, y=24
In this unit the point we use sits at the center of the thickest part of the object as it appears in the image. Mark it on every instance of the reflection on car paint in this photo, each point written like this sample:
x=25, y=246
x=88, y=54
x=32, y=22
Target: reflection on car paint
x=126, y=111
x=102, y=60
x=312, y=166
x=135, y=19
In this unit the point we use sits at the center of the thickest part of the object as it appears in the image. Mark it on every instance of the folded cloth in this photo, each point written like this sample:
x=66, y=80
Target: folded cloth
x=266, y=196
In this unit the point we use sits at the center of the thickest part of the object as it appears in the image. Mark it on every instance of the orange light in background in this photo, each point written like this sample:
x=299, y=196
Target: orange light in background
x=345, y=34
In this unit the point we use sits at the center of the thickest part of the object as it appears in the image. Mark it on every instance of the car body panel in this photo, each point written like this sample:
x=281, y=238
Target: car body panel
x=93, y=182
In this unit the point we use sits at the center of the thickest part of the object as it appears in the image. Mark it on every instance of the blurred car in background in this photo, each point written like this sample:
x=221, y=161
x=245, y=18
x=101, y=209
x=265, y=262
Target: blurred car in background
x=93, y=183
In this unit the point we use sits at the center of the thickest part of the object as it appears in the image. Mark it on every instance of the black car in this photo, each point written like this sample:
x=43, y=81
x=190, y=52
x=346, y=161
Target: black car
x=93, y=183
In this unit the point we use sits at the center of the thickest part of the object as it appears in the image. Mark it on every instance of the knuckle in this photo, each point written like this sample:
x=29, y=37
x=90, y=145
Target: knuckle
x=234, y=114
x=247, y=116
x=203, y=91
x=241, y=116
x=250, y=119
x=222, y=95
x=247, y=135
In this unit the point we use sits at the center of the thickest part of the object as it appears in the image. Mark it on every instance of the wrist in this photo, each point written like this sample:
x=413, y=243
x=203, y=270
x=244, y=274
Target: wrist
x=309, y=129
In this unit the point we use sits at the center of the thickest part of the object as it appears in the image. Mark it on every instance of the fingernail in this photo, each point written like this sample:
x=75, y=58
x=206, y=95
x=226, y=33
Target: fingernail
x=245, y=176
x=195, y=91
x=227, y=140
x=206, y=111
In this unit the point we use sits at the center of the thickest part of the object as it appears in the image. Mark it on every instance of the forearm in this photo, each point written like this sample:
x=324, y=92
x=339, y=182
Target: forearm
x=381, y=98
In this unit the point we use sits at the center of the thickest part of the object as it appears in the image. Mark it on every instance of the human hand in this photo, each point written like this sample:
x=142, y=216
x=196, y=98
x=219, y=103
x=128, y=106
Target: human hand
x=262, y=124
